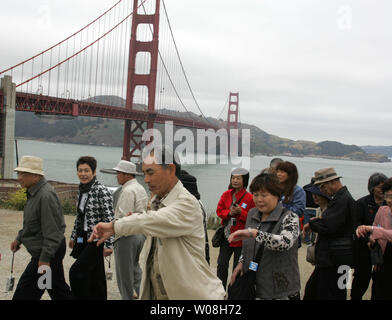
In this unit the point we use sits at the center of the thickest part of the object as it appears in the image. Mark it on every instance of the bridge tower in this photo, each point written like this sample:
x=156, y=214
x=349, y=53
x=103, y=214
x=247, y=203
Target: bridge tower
x=133, y=130
x=7, y=127
x=232, y=121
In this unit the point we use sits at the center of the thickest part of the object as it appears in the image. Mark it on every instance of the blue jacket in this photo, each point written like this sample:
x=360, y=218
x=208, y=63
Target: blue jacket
x=298, y=204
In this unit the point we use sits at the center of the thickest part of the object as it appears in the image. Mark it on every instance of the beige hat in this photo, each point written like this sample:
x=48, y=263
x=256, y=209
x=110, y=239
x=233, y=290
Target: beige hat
x=325, y=175
x=30, y=164
x=123, y=166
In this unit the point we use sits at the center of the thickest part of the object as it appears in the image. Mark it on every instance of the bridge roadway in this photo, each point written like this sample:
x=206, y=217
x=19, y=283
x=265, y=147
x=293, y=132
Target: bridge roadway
x=41, y=104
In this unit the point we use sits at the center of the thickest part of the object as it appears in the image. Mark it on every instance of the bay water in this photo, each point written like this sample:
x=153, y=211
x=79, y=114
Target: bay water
x=212, y=179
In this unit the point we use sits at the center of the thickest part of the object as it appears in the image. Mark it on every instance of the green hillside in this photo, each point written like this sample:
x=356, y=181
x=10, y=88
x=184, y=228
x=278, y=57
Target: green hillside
x=97, y=131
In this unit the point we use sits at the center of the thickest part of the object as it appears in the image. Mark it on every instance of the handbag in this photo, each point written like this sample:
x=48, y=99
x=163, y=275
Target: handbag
x=244, y=287
x=341, y=251
x=311, y=250
x=376, y=255
x=218, y=237
x=311, y=253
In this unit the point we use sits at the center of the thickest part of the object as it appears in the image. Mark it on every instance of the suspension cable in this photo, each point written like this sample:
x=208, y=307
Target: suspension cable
x=182, y=66
x=52, y=47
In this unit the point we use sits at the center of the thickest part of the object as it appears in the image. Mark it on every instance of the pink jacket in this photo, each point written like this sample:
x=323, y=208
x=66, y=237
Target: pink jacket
x=382, y=231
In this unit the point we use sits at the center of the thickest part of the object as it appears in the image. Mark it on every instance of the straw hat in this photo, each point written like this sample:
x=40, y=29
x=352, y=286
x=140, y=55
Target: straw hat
x=30, y=164
x=325, y=175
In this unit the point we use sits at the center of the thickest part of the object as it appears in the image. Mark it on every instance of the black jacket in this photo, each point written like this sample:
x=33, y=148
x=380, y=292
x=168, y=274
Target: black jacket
x=338, y=221
x=366, y=212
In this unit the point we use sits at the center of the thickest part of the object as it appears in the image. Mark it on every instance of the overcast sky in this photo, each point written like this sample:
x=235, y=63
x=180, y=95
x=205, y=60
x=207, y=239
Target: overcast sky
x=305, y=69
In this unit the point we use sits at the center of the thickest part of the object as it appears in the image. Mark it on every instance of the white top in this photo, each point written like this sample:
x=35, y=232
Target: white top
x=82, y=204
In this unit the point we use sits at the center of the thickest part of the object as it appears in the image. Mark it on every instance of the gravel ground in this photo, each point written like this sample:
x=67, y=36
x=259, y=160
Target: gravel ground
x=11, y=222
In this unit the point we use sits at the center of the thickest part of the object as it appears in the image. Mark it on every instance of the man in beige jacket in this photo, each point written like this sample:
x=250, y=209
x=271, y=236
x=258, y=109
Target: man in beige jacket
x=172, y=259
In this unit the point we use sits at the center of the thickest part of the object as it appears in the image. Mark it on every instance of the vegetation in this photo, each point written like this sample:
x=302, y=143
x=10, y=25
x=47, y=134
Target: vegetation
x=17, y=201
x=69, y=208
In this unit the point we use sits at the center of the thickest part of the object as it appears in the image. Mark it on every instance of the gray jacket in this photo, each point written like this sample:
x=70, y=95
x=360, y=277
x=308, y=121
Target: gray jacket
x=278, y=272
x=43, y=222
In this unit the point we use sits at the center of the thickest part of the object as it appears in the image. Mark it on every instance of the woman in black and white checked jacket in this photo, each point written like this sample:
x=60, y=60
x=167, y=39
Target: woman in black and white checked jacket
x=95, y=204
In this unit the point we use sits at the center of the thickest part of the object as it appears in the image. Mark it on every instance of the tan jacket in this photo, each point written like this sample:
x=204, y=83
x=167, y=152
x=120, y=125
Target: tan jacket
x=182, y=264
x=132, y=198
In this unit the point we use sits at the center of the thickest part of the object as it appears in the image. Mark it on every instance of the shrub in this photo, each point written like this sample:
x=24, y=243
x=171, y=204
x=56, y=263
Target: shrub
x=17, y=200
x=69, y=208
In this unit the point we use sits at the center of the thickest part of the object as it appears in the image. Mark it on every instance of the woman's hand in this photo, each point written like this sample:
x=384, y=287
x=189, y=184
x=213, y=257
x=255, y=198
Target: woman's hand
x=237, y=271
x=362, y=231
x=235, y=210
x=242, y=235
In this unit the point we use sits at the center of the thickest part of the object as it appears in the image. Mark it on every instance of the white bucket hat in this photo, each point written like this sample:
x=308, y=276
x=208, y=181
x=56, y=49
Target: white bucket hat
x=123, y=166
x=30, y=164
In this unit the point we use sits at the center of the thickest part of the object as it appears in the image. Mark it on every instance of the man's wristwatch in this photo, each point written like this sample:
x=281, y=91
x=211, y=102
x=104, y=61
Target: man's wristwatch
x=250, y=232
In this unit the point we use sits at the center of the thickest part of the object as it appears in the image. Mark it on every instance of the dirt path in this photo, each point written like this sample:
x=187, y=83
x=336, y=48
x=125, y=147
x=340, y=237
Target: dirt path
x=11, y=222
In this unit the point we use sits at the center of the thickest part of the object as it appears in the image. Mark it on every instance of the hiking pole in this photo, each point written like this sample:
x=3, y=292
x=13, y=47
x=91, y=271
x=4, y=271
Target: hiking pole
x=11, y=279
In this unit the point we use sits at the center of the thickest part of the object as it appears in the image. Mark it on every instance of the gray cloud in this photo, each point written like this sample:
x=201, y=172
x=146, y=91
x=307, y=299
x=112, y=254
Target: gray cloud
x=300, y=72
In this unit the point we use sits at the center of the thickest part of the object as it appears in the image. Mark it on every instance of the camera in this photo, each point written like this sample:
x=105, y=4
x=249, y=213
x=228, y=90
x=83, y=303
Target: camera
x=109, y=275
x=10, y=284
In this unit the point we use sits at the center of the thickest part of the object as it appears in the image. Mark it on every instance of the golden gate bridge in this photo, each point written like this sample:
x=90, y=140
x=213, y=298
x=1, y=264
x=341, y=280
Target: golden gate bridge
x=128, y=51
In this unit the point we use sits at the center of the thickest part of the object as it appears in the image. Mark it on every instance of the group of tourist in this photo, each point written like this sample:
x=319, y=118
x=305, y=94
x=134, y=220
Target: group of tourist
x=339, y=231
x=160, y=242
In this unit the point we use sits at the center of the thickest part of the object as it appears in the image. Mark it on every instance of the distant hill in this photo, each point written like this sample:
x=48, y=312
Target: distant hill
x=98, y=131
x=385, y=150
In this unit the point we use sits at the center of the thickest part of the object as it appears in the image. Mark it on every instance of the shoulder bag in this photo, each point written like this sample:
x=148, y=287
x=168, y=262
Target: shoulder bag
x=244, y=287
x=218, y=237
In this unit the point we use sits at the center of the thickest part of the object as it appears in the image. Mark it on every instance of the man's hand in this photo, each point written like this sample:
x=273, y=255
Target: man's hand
x=41, y=263
x=71, y=244
x=102, y=231
x=129, y=214
x=15, y=245
x=107, y=252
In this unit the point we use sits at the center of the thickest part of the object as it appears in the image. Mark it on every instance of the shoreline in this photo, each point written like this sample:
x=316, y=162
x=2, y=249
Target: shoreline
x=253, y=154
